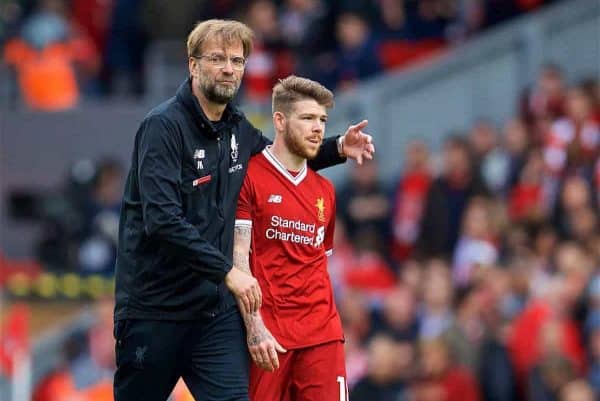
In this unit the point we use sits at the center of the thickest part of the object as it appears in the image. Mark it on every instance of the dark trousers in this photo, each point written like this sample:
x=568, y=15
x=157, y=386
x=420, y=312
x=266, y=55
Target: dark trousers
x=210, y=355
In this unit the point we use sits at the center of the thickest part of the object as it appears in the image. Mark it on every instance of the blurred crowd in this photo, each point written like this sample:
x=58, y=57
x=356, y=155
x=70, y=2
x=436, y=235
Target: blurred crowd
x=486, y=284
x=59, y=51
x=78, y=221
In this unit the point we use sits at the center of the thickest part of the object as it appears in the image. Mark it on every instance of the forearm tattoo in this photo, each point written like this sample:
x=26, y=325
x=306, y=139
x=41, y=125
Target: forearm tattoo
x=255, y=327
x=241, y=248
x=241, y=260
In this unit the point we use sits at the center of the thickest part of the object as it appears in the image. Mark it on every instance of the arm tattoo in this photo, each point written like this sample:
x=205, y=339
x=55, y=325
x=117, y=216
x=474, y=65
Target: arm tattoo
x=255, y=328
x=241, y=259
x=241, y=248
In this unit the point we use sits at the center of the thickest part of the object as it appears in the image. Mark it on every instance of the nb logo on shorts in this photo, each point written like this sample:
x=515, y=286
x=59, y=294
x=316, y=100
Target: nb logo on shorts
x=275, y=199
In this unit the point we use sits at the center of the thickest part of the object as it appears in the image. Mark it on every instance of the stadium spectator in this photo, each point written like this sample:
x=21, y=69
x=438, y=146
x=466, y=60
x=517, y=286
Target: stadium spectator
x=575, y=196
x=545, y=327
x=270, y=58
x=123, y=71
x=369, y=271
x=577, y=390
x=442, y=379
x=528, y=201
x=467, y=333
x=363, y=204
x=306, y=29
x=392, y=24
x=389, y=367
x=356, y=56
x=409, y=199
x=546, y=98
x=572, y=143
x=436, y=314
x=516, y=145
x=45, y=55
x=447, y=199
x=476, y=248
x=101, y=220
x=397, y=317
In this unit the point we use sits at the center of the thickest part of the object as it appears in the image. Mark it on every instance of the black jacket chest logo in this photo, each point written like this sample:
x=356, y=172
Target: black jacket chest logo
x=234, y=149
x=199, y=155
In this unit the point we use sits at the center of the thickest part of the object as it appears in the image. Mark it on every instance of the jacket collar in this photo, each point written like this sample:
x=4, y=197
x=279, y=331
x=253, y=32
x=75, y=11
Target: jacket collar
x=231, y=116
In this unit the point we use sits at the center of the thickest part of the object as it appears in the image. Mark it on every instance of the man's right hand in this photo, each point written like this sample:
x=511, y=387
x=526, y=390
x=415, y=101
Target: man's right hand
x=245, y=288
x=263, y=346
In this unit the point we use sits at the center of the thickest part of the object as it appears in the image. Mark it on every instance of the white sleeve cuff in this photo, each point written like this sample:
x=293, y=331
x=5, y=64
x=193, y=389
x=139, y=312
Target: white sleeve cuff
x=244, y=223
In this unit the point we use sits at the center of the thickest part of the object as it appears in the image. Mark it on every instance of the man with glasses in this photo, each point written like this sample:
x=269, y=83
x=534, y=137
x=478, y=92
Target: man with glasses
x=176, y=286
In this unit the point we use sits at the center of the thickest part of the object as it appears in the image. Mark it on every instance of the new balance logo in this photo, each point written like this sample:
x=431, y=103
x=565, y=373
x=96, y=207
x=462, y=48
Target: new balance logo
x=274, y=199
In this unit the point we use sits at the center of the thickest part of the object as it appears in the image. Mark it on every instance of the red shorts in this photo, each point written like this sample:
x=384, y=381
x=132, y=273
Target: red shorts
x=315, y=373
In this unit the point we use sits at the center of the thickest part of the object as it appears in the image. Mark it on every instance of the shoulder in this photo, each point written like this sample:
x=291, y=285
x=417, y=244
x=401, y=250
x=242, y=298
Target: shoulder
x=257, y=161
x=257, y=167
x=166, y=114
x=159, y=129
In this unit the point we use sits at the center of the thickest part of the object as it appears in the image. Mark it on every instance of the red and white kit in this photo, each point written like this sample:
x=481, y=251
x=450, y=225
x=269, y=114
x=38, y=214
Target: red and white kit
x=292, y=216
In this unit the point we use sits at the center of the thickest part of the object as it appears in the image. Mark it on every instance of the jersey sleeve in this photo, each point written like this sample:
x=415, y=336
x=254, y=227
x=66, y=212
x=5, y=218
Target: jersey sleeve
x=329, y=232
x=243, y=215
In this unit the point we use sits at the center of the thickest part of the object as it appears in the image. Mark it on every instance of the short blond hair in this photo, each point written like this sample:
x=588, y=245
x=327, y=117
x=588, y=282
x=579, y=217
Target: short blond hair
x=292, y=89
x=228, y=31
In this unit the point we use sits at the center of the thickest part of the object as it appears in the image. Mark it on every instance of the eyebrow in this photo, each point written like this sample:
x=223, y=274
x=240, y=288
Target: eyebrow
x=313, y=115
x=221, y=53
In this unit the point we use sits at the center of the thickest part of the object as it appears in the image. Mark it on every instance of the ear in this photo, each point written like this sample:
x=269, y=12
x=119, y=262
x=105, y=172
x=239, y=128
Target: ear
x=192, y=65
x=279, y=121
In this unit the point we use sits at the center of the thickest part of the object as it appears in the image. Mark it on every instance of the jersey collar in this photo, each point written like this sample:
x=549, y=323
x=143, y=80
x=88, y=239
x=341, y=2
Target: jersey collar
x=296, y=180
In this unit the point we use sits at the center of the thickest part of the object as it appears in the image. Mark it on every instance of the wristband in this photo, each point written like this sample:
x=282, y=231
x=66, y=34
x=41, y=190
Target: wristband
x=340, y=146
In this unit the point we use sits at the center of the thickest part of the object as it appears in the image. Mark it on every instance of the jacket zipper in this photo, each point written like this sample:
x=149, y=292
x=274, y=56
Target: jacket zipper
x=219, y=181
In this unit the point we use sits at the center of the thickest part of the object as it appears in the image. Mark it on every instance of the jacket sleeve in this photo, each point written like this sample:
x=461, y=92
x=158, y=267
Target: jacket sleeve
x=159, y=177
x=328, y=155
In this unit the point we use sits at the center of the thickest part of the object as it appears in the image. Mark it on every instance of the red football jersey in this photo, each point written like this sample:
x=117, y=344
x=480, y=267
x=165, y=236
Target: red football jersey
x=292, y=219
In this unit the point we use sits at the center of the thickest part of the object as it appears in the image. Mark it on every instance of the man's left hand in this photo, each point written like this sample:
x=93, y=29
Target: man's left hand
x=357, y=144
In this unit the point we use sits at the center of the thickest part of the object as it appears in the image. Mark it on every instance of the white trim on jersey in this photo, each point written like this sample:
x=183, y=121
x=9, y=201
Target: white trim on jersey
x=242, y=222
x=281, y=168
x=329, y=252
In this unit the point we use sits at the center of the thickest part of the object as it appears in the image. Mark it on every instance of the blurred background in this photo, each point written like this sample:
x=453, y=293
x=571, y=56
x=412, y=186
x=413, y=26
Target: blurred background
x=467, y=255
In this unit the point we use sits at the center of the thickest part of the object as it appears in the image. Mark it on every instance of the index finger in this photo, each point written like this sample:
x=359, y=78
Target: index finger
x=359, y=126
x=258, y=295
x=246, y=304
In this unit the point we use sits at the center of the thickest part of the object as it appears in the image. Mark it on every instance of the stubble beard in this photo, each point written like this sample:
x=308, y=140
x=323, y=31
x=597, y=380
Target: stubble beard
x=215, y=92
x=296, y=146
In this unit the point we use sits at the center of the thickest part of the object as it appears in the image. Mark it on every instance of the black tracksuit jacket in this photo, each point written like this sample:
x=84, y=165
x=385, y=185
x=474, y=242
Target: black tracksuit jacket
x=178, y=213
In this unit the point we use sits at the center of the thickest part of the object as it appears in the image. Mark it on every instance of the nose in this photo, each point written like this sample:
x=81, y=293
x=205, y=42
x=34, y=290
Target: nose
x=228, y=67
x=318, y=126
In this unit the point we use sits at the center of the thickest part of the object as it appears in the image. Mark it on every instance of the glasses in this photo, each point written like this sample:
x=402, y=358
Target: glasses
x=220, y=61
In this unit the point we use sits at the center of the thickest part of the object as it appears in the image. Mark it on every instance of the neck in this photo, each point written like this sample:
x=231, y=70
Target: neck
x=290, y=161
x=213, y=111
